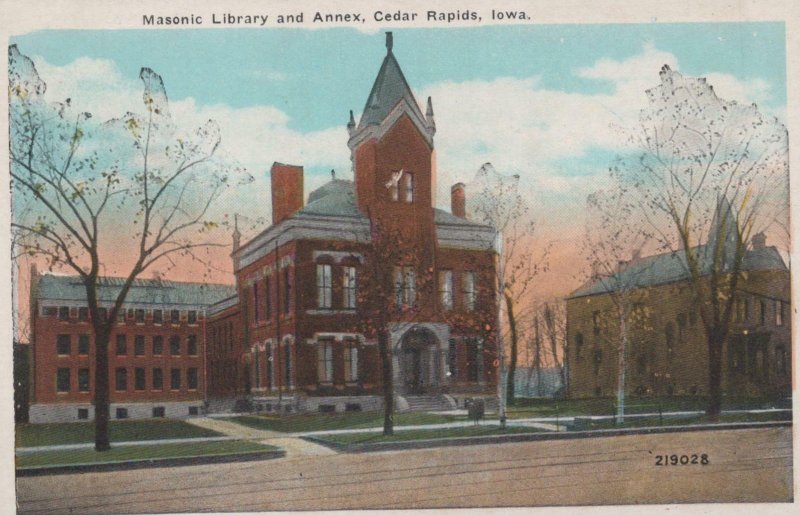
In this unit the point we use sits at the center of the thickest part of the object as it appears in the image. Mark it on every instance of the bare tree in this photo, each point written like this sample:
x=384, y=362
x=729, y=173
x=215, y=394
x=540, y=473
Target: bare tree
x=707, y=174
x=80, y=187
x=612, y=245
x=495, y=200
x=554, y=315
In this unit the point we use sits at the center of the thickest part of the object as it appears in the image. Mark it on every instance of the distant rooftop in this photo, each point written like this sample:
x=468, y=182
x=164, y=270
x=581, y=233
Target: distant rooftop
x=143, y=291
x=671, y=267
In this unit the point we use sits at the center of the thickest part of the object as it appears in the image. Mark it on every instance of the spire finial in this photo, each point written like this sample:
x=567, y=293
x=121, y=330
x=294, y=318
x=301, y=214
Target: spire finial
x=333, y=174
x=389, y=42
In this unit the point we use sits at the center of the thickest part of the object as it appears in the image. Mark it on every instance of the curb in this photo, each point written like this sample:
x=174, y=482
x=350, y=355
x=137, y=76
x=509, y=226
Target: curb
x=153, y=463
x=531, y=437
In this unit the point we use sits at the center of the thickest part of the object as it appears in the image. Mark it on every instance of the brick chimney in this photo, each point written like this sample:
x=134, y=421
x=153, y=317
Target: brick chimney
x=458, y=200
x=759, y=241
x=287, y=190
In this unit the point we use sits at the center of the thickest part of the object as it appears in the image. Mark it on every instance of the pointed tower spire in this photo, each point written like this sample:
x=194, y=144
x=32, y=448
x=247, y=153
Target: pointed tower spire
x=389, y=42
x=429, y=117
x=237, y=236
x=351, y=125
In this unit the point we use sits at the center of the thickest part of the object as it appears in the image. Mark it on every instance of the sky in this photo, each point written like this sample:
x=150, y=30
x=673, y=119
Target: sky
x=542, y=101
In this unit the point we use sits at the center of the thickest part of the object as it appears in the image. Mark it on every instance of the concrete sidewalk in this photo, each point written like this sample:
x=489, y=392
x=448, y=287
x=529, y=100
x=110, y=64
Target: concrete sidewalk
x=296, y=446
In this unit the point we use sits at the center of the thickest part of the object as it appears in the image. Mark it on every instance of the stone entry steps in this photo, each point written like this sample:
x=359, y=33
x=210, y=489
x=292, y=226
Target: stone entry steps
x=428, y=403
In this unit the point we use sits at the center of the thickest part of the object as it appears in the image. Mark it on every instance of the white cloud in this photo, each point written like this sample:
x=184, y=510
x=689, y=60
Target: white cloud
x=516, y=123
x=522, y=127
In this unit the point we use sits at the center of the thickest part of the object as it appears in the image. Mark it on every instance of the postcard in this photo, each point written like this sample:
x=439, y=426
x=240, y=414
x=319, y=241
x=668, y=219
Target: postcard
x=268, y=256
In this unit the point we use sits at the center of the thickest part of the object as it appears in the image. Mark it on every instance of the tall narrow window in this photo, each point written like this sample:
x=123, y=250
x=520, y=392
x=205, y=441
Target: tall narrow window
x=446, y=289
x=409, y=285
x=191, y=378
x=408, y=187
x=62, y=380
x=83, y=379
x=175, y=379
x=191, y=345
x=778, y=312
x=83, y=345
x=255, y=302
x=175, y=316
x=83, y=314
x=139, y=316
x=122, y=345
x=158, y=345
x=350, y=361
x=473, y=354
x=596, y=322
x=452, y=359
x=158, y=316
x=158, y=379
x=398, y=286
x=762, y=317
x=138, y=345
x=63, y=344
x=121, y=382
x=287, y=365
x=257, y=367
x=270, y=368
x=63, y=313
x=191, y=317
x=324, y=286
x=325, y=361
x=349, y=287
x=138, y=379
x=287, y=291
x=175, y=345
x=468, y=287
x=267, y=299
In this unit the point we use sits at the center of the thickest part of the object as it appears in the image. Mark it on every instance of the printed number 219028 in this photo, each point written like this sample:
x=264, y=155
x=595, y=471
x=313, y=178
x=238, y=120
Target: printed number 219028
x=681, y=459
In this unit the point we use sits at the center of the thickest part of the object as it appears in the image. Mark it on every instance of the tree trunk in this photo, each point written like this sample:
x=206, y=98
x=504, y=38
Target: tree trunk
x=622, y=364
x=388, y=385
x=101, y=392
x=715, y=344
x=537, y=357
x=512, y=362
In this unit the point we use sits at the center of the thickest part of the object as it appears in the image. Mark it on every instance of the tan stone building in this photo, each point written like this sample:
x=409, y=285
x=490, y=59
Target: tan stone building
x=667, y=351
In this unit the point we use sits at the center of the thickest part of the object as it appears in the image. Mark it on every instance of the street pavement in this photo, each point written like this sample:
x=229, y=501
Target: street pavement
x=745, y=465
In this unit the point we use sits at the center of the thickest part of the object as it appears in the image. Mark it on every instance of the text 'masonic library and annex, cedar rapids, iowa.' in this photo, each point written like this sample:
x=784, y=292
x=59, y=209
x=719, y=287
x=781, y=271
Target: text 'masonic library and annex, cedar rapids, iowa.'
x=288, y=335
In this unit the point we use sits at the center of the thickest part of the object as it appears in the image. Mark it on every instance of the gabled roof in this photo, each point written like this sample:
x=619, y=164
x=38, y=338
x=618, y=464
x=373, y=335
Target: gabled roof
x=143, y=291
x=389, y=89
x=337, y=198
x=671, y=267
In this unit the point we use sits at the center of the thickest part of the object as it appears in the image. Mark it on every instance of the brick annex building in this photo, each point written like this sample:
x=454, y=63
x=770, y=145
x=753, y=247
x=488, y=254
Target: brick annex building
x=667, y=349
x=289, y=336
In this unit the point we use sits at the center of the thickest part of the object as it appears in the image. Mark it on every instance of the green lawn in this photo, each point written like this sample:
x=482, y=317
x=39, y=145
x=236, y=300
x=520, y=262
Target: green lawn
x=423, y=434
x=688, y=420
x=329, y=421
x=139, y=452
x=525, y=408
x=33, y=435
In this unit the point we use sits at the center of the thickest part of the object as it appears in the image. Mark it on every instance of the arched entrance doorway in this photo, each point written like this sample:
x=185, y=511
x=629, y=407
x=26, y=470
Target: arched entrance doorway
x=419, y=361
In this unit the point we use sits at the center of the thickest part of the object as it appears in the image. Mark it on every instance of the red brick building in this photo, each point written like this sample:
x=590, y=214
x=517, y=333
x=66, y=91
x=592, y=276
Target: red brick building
x=157, y=355
x=293, y=334
x=300, y=280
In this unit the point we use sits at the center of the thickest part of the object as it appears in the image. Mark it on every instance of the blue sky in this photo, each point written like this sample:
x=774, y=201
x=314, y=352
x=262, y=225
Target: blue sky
x=317, y=75
x=542, y=101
